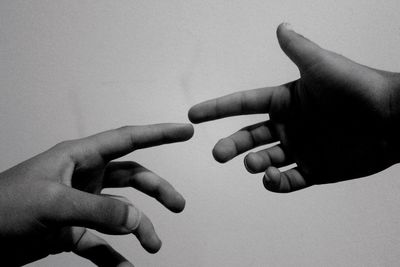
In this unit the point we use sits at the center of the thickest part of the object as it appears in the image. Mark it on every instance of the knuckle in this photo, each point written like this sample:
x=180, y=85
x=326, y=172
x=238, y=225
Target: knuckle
x=159, y=186
x=122, y=128
x=156, y=188
x=64, y=145
x=126, y=132
x=160, y=183
x=267, y=157
x=260, y=135
x=125, y=129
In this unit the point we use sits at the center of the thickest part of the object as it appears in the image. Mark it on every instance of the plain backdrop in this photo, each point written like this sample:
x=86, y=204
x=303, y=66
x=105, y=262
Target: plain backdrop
x=72, y=68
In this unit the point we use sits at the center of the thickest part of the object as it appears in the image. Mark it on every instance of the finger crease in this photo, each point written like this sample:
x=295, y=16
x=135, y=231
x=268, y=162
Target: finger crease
x=75, y=246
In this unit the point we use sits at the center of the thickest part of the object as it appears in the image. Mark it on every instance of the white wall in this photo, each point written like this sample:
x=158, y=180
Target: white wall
x=72, y=68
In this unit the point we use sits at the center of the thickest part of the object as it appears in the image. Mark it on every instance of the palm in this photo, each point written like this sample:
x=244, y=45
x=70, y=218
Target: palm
x=330, y=122
x=332, y=129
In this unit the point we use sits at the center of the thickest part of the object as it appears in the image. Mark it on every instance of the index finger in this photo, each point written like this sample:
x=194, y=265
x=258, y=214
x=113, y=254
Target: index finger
x=119, y=142
x=240, y=103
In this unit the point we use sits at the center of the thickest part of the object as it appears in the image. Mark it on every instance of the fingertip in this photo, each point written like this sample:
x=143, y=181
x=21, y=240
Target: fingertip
x=246, y=165
x=179, y=204
x=281, y=32
x=253, y=162
x=281, y=27
x=194, y=114
x=273, y=173
x=298, y=48
x=147, y=235
x=271, y=178
x=284, y=26
x=188, y=130
x=181, y=131
x=221, y=153
x=153, y=244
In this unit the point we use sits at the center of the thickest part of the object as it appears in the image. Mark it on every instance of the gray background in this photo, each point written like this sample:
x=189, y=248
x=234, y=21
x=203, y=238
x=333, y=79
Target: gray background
x=72, y=68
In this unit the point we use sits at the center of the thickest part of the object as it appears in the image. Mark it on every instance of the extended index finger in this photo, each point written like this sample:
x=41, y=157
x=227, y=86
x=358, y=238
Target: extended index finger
x=119, y=142
x=240, y=103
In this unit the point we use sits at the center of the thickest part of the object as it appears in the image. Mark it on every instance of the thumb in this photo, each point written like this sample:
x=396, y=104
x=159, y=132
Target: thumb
x=303, y=52
x=109, y=215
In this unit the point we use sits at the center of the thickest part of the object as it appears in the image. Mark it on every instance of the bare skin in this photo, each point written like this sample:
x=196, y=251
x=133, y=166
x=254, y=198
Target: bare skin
x=48, y=202
x=336, y=122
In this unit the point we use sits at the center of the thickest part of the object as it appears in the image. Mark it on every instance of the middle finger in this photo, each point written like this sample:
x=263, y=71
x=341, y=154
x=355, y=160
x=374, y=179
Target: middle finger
x=132, y=174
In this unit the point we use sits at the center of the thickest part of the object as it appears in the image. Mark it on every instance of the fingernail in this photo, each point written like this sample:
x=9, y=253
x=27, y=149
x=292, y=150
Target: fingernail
x=134, y=217
x=288, y=26
x=120, y=198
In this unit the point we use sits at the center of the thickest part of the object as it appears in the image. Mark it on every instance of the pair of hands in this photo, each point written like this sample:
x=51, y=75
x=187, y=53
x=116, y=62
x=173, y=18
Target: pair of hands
x=337, y=122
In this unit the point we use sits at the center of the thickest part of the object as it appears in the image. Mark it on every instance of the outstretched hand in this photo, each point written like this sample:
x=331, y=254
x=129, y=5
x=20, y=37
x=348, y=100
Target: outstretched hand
x=336, y=122
x=48, y=202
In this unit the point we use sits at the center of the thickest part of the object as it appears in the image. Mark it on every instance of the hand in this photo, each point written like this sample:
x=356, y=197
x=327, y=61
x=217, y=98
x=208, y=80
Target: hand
x=47, y=202
x=337, y=122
